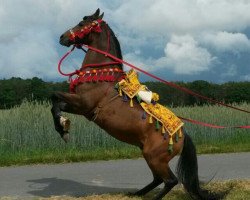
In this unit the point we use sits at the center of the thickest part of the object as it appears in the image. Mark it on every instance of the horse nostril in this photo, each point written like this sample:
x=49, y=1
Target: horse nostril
x=61, y=36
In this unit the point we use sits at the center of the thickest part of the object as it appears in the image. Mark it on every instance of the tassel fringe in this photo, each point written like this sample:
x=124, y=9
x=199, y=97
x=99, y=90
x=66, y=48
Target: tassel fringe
x=170, y=144
x=120, y=92
x=125, y=98
x=176, y=137
x=180, y=133
x=131, y=103
x=157, y=125
x=150, y=119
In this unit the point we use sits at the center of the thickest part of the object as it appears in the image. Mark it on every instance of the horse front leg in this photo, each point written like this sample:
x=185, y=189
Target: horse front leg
x=67, y=103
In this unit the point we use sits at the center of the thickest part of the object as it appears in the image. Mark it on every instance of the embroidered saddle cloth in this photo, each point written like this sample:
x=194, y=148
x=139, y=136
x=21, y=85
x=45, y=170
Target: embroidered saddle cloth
x=131, y=87
x=167, y=118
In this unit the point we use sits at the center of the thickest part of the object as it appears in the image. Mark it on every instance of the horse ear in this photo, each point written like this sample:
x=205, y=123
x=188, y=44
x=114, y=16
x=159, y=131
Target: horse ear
x=97, y=12
x=101, y=16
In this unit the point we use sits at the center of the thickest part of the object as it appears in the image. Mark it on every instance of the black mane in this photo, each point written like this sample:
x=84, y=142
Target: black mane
x=114, y=43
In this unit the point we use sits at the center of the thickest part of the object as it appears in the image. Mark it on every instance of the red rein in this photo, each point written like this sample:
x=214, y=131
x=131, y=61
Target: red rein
x=95, y=26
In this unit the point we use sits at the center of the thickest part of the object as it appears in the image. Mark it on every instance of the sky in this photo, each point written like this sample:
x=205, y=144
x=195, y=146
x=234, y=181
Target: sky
x=178, y=40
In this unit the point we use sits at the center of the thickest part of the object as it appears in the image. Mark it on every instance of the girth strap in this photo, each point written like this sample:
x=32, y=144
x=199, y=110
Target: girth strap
x=99, y=107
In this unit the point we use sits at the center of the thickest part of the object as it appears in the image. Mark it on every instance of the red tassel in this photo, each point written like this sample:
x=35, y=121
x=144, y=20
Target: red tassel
x=81, y=79
x=109, y=78
x=112, y=78
x=89, y=78
x=101, y=78
x=95, y=78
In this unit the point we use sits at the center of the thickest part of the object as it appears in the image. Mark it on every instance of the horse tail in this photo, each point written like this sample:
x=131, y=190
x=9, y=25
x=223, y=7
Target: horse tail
x=187, y=171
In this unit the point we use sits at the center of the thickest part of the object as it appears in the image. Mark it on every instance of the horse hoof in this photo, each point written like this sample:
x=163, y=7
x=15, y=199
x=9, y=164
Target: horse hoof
x=65, y=137
x=65, y=123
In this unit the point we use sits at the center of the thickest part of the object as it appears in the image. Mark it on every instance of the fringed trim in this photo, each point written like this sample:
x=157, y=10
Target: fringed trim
x=125, y=98
x=150, y=119
x=180, y=133
x=120, y=92
x=131, y=103
x=176, y=137
x=108, y=75
x=138, y=98
x=157, y=125
x=170, y=144
x=144, y=115
x=163, y=131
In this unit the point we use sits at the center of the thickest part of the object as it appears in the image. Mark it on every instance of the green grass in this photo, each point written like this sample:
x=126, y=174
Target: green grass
x=27, y=135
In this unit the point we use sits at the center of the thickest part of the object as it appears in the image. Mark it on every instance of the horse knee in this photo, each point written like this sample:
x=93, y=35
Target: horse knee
x=54, y=97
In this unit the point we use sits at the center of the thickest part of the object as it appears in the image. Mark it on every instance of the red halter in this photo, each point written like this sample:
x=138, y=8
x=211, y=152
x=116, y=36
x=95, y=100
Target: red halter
x=93, y=27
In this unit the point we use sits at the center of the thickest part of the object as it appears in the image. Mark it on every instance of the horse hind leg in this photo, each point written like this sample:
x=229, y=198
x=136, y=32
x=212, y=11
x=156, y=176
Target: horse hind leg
x=157, y=159
x=168, y=185
x=156, y=182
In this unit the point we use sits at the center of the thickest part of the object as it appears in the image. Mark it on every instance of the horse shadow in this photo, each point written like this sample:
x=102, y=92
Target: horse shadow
x=47, y=187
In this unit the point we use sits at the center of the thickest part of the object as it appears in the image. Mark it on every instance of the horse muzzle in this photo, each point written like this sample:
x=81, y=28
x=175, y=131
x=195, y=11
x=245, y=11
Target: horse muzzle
x=65, y=41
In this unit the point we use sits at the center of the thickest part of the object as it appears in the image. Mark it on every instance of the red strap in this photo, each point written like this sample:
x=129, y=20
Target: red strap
x=101, y=64
x=60, y=62
x=211, y=125
x=164, y=81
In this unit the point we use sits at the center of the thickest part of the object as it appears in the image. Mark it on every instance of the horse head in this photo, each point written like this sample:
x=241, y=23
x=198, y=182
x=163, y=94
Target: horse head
x=82, y=33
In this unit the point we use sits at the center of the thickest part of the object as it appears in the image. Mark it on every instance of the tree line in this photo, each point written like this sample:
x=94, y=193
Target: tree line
x=14, y=90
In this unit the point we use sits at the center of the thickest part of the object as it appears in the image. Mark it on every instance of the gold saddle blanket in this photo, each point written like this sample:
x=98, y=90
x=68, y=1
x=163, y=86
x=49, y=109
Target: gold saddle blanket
x=168, y=119
x=131, y=87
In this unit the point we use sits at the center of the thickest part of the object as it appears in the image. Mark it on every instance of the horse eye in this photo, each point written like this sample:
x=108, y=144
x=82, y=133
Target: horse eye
x=80, y=24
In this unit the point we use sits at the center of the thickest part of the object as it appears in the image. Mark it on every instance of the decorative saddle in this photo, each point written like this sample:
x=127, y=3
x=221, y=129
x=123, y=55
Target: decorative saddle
x=169, y=122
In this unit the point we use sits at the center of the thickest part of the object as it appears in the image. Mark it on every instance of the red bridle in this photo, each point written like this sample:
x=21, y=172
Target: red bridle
x=95, y=26
x=85, y=30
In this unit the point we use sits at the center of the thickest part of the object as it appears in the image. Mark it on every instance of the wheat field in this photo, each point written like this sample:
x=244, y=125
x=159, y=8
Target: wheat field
x=29, y=128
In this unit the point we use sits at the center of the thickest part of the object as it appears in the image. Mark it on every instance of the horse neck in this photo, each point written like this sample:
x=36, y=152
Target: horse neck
x=101, y=92
x=105, y=43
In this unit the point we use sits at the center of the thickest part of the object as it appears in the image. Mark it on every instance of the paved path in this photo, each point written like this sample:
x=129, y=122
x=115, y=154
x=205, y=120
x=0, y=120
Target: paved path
x=78, y=179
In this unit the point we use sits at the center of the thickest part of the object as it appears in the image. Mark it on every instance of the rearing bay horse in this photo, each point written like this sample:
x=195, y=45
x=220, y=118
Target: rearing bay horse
x=99, y=101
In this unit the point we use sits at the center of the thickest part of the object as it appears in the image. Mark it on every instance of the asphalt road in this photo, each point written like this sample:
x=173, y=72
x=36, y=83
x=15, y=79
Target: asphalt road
x=79, y=179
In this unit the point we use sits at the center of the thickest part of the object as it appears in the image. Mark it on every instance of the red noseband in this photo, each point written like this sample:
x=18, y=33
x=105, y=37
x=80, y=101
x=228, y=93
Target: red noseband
x=93, y=27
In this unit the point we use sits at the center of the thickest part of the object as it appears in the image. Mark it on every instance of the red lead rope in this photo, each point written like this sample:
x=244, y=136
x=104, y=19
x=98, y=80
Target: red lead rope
x=60, y=62
x=212, y=125
x=165, y=82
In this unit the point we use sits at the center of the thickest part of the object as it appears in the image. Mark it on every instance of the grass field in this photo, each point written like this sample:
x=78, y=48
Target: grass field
x=27, y=135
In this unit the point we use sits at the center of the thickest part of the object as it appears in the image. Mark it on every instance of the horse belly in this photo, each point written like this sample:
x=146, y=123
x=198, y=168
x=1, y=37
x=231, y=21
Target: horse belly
x=124, y=126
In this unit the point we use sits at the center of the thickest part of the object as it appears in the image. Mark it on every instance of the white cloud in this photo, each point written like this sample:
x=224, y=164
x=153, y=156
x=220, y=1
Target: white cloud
x=30, y=31
x=36, y=56
x=230, y=71
x=185, y=56
x=138, y=61
x=225, y=41
x=181, y=17
x=245, y=77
